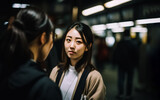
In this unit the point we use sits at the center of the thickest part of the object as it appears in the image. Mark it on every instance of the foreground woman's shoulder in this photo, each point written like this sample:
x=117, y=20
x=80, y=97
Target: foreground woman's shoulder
x=95, y=74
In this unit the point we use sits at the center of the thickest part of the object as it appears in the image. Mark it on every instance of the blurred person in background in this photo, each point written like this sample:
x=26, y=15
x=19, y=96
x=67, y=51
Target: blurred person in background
x=101, y=54
x=153, y=53
x=24, y=47
x=77, y=78
x=126, y=57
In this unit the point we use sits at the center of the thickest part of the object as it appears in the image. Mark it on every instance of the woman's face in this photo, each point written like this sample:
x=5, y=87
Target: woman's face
x=47, y=47
x=74, y=45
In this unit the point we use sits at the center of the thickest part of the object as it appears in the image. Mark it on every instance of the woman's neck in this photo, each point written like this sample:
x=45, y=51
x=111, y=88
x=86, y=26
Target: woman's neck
x=34, y=50
x=73, y=62
x=35, y=55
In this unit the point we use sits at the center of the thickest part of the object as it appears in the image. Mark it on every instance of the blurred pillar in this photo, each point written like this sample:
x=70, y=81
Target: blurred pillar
x=74, y=13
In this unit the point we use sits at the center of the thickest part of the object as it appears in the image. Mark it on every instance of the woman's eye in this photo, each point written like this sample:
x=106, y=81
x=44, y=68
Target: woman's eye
x=68, y=40
x=79, y=42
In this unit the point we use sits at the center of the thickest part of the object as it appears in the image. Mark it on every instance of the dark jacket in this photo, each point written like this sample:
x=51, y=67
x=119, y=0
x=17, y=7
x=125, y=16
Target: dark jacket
x=126, y=53
x=29, y=82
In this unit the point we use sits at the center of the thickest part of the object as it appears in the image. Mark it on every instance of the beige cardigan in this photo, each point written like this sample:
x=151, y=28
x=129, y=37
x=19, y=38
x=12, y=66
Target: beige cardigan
x=95, y=88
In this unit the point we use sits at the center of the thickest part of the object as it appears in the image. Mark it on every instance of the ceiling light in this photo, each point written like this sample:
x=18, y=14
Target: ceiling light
x=113, y=3
x=119, y=24
x=117, y=30
x=99, y=27
x=112, y=25
x=148, y=21
x=18, y=5
x=126, y=24
x=92, y=10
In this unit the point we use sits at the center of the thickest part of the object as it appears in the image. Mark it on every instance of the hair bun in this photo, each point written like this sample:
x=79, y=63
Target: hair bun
x=18, y=24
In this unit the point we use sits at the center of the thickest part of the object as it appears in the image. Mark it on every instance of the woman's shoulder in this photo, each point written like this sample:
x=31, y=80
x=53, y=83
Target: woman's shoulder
x=49, y=89
x=94, y=74
x=26, y=74
x=54, y=73
x=55, y=69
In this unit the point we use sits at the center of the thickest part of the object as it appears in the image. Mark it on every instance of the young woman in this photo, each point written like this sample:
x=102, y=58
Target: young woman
x=24, y=46
x=77, y=78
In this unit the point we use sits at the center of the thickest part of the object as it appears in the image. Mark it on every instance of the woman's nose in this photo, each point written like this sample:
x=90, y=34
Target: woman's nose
x=72, y=44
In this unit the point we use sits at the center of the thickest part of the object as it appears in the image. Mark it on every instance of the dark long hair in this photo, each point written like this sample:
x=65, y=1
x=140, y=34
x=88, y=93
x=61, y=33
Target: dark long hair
x=29, y=23
x=85, y=33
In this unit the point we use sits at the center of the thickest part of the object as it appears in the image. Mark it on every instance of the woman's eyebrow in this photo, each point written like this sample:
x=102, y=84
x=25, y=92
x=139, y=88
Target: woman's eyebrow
x=78, y=38
x=69, y=36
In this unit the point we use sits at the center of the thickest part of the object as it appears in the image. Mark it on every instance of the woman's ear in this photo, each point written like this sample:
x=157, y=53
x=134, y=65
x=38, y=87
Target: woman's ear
x=87, y=48
x=43, y=38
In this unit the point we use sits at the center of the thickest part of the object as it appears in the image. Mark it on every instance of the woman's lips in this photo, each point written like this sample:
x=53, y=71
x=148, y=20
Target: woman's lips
x=71, y=52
